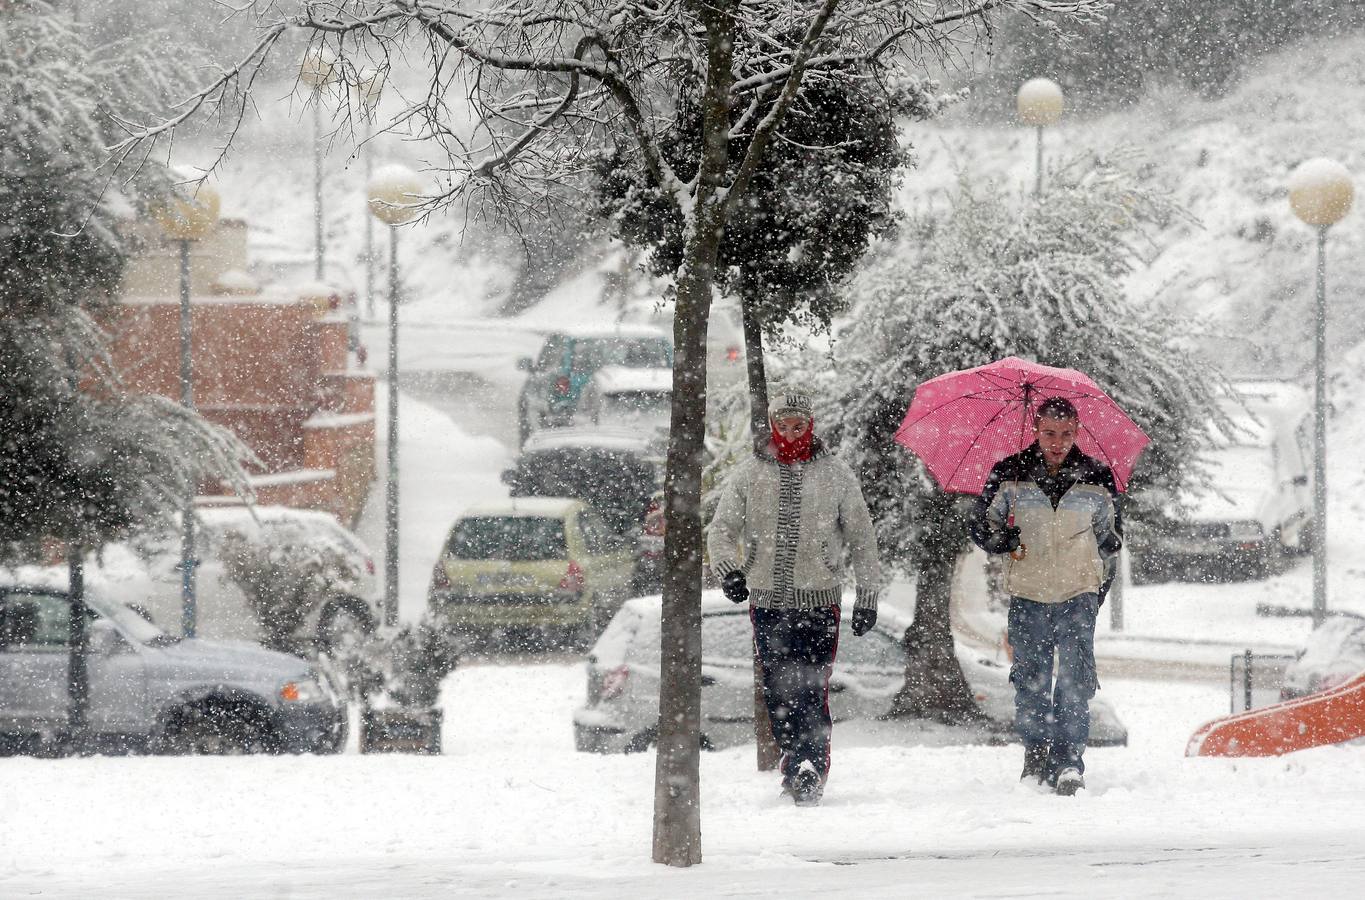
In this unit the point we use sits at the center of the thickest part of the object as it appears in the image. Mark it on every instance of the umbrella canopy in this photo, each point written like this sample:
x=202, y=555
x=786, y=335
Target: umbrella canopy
x=962, y=423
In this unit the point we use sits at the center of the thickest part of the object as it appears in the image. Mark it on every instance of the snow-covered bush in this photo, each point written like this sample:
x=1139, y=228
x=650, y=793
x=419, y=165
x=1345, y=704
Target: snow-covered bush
x=403, y=667
x=285, y=580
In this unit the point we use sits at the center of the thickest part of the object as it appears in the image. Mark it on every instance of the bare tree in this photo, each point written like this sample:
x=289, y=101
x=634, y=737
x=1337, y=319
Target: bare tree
x=522, y=97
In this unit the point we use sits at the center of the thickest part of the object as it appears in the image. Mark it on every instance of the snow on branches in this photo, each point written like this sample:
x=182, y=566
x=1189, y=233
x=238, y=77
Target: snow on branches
x=520, y=99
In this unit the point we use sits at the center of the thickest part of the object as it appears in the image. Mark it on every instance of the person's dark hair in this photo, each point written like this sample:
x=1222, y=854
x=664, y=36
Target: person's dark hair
x=1056, y=408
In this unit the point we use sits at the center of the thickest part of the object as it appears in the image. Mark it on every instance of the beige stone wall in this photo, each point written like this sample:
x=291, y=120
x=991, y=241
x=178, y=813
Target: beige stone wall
x=153, y=269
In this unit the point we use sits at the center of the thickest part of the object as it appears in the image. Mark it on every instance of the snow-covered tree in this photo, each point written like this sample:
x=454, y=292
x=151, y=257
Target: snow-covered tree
x=80, y=460
x=824, y=192
x=1043, y=281
x=548, y=87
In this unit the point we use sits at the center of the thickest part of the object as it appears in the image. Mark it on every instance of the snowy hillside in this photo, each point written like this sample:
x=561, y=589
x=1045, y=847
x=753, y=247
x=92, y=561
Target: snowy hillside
x=1248, y=262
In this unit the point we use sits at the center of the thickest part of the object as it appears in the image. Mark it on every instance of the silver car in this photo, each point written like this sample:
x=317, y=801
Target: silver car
x=150, y=692
x=622, y=709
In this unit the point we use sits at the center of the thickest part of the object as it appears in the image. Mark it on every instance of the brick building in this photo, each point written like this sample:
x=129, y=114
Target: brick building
x=273, y=367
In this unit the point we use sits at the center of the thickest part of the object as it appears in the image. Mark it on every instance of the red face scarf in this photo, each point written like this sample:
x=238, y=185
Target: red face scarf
x=788, y=452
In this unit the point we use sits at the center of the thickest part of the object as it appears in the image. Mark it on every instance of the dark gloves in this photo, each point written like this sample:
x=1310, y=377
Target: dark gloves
x=1012, y=539
x=735, y=586
x=863, y=620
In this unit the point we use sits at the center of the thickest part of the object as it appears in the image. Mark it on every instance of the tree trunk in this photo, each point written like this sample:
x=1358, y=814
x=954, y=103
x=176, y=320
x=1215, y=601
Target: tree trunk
x=677, y=787
x=935, y=687
x=768, y=753
x=757, y=370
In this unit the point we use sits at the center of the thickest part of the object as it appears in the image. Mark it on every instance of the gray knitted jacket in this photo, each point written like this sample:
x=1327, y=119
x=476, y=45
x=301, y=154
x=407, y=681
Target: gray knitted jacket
x=787, y=528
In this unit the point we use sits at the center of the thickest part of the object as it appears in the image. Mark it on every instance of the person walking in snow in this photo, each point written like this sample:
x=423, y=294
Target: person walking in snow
x=778, y=539
x=1055, y=512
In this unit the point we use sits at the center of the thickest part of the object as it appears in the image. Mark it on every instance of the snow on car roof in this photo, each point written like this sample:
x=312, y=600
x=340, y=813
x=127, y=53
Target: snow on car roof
x=557, y=507
x=596, y=438
x=615, y=379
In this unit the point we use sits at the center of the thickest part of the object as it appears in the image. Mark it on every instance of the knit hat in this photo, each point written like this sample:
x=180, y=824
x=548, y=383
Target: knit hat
x=791, y=403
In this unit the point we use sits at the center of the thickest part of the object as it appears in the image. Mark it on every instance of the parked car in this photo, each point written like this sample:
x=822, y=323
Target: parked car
x=622, y=708
x=545, y=563
x=637, y=399
x=150, y=691
x=1257, y=509
x=1334, y=654
x=290, y=578
x=567, y=361
x=618, y=473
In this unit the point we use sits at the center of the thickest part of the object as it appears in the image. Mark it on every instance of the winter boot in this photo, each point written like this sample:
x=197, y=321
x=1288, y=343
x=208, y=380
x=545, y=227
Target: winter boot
x=1069, y=781
x=1035, y=764
x=807, y=786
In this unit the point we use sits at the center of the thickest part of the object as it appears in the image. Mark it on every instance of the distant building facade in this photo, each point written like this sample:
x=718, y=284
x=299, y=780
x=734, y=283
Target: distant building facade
x=274, y=367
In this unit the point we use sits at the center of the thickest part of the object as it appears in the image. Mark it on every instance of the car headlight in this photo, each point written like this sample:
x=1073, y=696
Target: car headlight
x=302, y=690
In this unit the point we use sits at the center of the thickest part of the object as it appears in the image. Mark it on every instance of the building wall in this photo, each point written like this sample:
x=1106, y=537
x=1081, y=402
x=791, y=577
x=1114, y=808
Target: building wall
x=273, y=369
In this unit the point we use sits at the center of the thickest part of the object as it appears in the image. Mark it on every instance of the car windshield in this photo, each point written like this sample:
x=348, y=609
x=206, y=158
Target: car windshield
x=133, y=626
x=524, y=538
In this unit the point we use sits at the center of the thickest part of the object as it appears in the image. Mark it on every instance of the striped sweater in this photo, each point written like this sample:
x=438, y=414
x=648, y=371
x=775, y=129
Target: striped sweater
x=787, y=528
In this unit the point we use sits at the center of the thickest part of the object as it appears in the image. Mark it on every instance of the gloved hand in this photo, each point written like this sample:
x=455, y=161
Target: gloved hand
x=1012, y=538
x=863, y=620
x=735, y=586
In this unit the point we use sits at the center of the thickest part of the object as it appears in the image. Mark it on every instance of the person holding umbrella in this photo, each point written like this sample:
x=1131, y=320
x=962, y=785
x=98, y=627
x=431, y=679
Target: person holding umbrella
x=778, y=540
x=1047, y=453
x=1056, y=512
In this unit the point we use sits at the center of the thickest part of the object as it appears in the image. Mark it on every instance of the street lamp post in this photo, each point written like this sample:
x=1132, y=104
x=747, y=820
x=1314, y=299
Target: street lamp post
x=186, y=217
x=1320, y=193
x=317, y=72
x=394, y=194
x=369, y=86
x=1040, y=103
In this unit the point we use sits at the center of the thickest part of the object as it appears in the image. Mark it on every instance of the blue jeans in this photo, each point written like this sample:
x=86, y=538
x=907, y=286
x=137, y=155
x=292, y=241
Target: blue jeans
x=1056, y=716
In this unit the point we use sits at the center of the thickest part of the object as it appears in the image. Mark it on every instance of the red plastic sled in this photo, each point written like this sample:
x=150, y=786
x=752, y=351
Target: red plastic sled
x=1327, y=717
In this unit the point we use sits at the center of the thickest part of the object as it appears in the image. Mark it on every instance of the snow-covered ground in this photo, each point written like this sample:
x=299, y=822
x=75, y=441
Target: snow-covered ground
x=510, y=809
